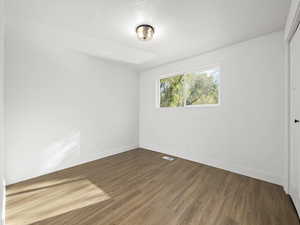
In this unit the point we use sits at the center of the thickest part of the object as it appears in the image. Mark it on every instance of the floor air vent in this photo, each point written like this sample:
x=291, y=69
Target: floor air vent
x=168, y=158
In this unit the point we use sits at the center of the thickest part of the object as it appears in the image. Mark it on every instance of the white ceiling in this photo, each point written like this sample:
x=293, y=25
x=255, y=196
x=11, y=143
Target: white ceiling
x=183, y=28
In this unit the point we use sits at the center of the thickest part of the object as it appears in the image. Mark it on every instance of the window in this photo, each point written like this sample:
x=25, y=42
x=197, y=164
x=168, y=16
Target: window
x=190, y=89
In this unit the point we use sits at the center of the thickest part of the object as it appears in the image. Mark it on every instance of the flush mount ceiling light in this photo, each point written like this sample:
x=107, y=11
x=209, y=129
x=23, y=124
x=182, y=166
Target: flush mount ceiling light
x=145, y=32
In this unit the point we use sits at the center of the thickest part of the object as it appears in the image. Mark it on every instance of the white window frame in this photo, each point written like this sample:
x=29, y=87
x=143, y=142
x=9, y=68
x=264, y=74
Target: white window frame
x=204, y=69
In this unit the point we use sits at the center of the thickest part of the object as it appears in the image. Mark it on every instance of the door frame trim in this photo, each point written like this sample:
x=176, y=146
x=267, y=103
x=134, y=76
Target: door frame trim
x=292, y=21
x=291, y=28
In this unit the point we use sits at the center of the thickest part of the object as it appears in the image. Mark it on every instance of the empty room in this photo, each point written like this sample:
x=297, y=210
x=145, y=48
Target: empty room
x=149, y=112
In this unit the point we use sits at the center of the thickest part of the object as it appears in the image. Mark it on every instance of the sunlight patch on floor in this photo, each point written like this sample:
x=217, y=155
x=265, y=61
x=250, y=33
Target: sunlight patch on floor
x=27, y=206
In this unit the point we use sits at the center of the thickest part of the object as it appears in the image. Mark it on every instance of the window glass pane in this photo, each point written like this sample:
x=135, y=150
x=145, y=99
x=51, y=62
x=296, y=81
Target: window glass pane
x=202, y=88
x=172, y=91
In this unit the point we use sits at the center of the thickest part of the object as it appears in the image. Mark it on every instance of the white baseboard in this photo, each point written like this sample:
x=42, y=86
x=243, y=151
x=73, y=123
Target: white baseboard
x=86, y=159
x=232, y=167
x=285, y=185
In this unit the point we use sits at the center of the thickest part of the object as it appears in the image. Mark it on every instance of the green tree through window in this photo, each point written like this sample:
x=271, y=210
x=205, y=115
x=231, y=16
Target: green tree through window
x=172, y=91
x=190, y=89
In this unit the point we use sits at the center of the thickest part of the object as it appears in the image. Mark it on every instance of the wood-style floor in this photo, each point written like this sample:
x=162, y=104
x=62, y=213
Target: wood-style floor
x=140, y=188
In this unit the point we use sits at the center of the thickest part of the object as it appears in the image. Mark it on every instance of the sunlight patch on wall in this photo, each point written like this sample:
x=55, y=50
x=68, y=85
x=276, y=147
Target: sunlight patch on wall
x=62, y=152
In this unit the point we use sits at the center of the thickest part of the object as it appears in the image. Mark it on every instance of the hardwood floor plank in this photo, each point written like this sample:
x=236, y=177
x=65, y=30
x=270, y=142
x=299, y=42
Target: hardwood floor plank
x=139, y=188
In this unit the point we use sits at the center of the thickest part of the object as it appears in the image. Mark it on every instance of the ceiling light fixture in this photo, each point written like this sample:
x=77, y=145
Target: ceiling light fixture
x=145, y=32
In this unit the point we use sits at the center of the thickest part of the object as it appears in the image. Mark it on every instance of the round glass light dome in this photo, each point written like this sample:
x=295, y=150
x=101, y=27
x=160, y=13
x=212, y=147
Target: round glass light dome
x=145, y=32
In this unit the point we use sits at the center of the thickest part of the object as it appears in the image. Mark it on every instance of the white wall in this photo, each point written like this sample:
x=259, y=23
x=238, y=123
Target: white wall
x=1, y=112
x=245, y=133
x=64, y=108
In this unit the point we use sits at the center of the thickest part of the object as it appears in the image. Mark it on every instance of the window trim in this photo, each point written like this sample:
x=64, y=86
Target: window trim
x=203, y=69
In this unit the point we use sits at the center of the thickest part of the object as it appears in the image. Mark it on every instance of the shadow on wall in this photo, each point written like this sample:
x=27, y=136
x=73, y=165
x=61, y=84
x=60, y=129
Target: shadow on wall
x=61, y=154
